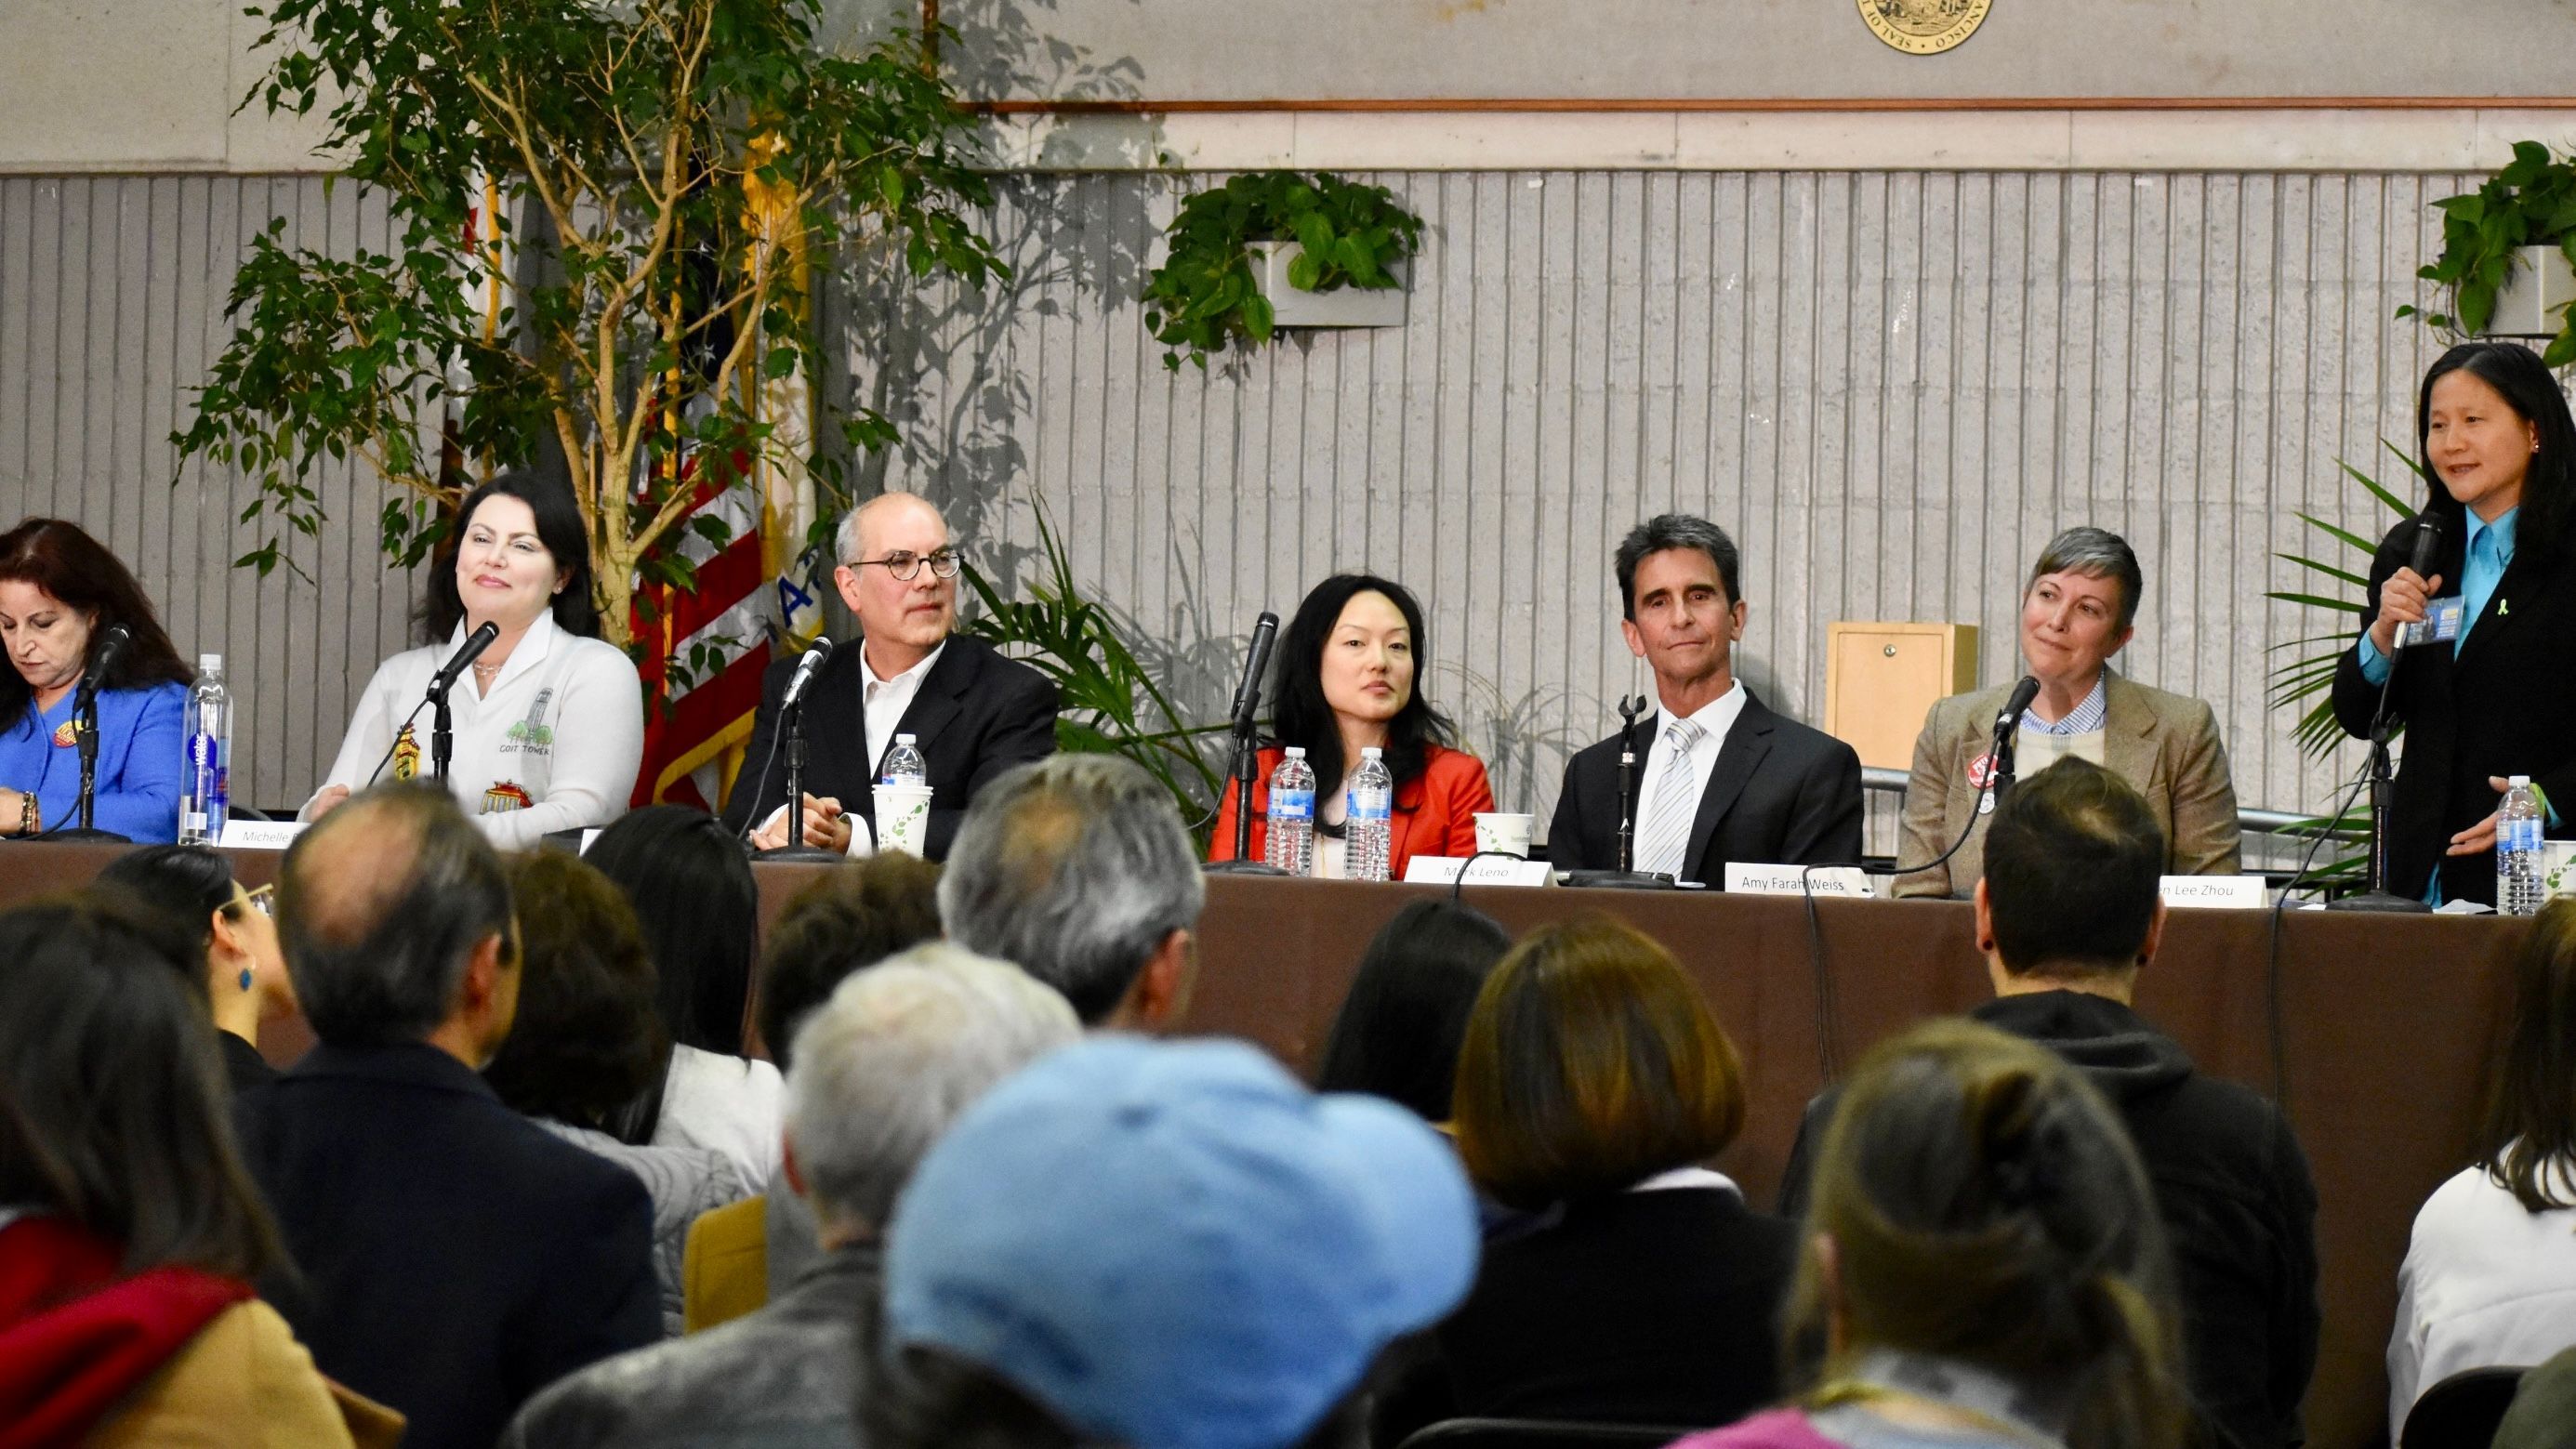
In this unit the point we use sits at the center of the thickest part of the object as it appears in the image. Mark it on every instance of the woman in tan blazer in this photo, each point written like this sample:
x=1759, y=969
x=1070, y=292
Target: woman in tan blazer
x=2076, y=613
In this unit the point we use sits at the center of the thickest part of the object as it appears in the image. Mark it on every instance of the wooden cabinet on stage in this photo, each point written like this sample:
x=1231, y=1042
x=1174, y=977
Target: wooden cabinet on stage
x=1881, y=679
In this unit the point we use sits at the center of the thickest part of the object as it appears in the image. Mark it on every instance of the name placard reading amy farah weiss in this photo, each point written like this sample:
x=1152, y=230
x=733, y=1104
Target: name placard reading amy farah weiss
x=1923, y=27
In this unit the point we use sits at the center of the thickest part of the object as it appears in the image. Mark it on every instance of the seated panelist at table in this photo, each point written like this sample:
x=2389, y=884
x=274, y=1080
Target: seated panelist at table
x=60, y=592
x=1348, y=666
x=972, y=713
x=1719, y=776
x=2079, y=608
x=549, y=720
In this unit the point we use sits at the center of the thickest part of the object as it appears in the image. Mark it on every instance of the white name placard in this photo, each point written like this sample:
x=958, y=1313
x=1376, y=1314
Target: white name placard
x=260, y=834
x=1789, y=880
x=1497, y=870
x=2213, y=892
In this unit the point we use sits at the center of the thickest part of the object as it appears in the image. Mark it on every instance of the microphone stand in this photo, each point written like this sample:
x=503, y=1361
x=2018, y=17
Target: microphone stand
x=85, y=727
x=792, y=720
x=1247, y=763
x=1625, y=878
x=442, y=729
x=2383, y=786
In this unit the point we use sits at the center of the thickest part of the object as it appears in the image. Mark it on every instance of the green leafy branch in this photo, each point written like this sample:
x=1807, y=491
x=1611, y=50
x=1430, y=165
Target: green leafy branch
x=2531, y=202
x=1205, y=293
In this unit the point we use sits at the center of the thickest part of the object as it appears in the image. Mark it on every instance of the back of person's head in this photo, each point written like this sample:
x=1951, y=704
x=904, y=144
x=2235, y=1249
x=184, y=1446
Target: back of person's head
x=1591, y=1063
x=1076, y=869
x=1161, y=1245
x=2073, y=860
x=2528, y=1143
x=1399, y=1030
x=691, y=887
x=191, y=882
x=1983, y=1204
x=380, y=908
x=113, y=1110
x=889, y=1061
x=585, y=1041
x=848, y=920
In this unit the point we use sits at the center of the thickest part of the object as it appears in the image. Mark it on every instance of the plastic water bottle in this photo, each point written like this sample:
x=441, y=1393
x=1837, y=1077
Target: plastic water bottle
x=205, y=783
x=2519, y=890
x=1292, y=814
x=1369, y=817
x=903, y=764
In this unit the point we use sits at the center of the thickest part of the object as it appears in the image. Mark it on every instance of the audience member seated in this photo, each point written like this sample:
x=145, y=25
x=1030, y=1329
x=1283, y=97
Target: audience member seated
x=2543, y=1415
x=586, y=1043
x=237, y=950
x=1592, y=1084
x=741, y=1256
x=1399, y=1030
x=452, y=1257
x=1164, y=1246
x=61, y=591
x=691, y=887
x=2067, y=914
x=1349, y=665
x=2490, y=1275
x=881, y=1070
x=1079, y=871
x=129, y=1234
x=1982, y=1267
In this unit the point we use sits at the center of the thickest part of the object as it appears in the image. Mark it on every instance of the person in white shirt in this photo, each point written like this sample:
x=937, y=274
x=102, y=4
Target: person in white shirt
x=549, y=720
x=2490, y=1275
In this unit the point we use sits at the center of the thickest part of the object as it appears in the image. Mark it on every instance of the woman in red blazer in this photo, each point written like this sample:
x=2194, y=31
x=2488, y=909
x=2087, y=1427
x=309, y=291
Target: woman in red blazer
x=1345, y=681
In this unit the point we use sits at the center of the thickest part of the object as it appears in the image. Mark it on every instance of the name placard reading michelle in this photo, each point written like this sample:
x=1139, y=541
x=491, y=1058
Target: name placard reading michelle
x=1850, y=882
x=260, y=834
x=1487, y=870
x=2212, y=892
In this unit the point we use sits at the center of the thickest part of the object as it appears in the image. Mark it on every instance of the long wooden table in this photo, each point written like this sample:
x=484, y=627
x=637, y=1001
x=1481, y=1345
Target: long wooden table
x=2379, y=1046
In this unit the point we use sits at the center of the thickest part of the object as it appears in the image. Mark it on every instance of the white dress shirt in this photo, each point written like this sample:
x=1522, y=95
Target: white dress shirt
x=1717, y=717
x=886, y=700
x=553, y=744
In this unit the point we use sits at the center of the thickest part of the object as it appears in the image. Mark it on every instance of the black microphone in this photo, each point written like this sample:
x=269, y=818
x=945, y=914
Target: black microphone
x=806, y=664
x=464, y=657
x=2428, y=540
x=111, y=645
x=1247, y=695
x=2023, y=693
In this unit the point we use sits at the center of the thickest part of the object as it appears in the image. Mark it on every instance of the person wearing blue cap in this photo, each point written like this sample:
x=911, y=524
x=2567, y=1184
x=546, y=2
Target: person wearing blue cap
x=1160, y=1246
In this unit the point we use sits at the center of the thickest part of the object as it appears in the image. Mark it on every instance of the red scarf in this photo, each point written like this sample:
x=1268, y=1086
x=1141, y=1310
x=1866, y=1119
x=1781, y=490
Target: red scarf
x=76, y=1338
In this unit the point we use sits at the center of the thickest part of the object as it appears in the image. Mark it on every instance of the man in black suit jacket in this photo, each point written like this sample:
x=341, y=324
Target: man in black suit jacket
x=1759, y=787
x=972, y=713
x=450, y=1257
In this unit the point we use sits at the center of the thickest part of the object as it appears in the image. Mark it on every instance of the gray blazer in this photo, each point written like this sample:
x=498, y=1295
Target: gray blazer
x=2166, y=745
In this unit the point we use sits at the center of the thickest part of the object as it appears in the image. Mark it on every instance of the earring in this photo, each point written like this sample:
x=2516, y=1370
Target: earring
x=245, y=978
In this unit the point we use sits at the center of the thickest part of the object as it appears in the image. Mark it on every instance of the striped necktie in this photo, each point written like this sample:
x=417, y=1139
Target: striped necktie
x=1664, y=834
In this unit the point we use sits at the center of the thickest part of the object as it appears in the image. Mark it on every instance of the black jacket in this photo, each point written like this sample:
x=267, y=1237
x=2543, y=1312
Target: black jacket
x=976, y=715
x=2506, y=705
x=2233, y=1190
x=1781, y=794
x=451, y=1257
x=1656, y=1307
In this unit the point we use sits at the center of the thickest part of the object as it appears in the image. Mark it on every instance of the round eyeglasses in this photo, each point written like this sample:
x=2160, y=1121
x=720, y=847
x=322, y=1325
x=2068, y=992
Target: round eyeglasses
x=905, y=565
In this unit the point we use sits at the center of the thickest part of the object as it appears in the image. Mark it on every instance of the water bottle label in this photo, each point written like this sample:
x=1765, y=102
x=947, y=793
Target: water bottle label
x=1372, y=804
x=206, y=767
x=1292, y=804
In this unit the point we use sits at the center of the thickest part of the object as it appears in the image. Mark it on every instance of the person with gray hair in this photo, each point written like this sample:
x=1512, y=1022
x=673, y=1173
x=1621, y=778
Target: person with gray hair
x=2079, y=608
x=418, y=1209
x=899, y=1051
x=971, y=712
x=1079, y=870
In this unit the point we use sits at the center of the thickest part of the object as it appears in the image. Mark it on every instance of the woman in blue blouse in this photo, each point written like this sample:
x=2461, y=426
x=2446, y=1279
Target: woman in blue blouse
x=59, y=590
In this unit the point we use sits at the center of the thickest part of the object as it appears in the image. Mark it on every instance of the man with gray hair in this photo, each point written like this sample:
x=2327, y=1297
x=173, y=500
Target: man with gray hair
x=880, y=1071
x=971, y=712
x=451, y=1257
x=1079, y=870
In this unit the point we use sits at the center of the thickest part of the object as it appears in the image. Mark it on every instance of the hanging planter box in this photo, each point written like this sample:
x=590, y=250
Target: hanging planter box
x=1342, y=307
x=2533, y=300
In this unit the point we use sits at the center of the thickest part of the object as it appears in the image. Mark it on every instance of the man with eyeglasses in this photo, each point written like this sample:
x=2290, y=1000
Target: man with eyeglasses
x=972, y=713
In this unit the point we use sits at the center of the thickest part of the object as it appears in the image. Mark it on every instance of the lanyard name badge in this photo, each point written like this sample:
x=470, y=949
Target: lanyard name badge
x=2440, y=624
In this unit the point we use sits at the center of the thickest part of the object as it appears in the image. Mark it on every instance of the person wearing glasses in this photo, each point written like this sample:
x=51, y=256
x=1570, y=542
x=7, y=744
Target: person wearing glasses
x=245, y=972
x=972, y=713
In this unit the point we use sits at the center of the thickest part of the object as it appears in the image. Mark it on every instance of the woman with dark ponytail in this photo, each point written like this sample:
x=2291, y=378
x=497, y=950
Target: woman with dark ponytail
x=1982, y=1265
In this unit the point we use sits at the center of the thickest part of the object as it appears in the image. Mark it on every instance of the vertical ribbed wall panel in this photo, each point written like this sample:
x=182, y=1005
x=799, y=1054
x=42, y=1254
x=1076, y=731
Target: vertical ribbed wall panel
x=112, y=292
x=1892, y=387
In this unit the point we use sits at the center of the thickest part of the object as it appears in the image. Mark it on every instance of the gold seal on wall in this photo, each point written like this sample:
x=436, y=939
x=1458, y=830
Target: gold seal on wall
x=1924, y=27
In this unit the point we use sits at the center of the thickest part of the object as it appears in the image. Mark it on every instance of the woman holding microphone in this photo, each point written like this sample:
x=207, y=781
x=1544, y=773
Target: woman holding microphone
x=2489, y=695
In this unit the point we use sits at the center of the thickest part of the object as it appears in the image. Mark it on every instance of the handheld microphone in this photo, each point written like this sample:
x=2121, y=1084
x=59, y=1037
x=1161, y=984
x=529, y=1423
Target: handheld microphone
x=1247, y=695
x=2023, y=693
x=806, y=665
x=2428, y=541
x=464, y=657
x=111, y=645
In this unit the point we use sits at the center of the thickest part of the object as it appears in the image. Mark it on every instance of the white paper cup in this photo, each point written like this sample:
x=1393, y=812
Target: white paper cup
x=903, y=818
x=2558, y=867
x=1503, y=831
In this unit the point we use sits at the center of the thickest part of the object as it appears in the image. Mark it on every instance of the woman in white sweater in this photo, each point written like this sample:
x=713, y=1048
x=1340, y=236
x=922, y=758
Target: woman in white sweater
x=2490, y=1276
x=549, y=720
